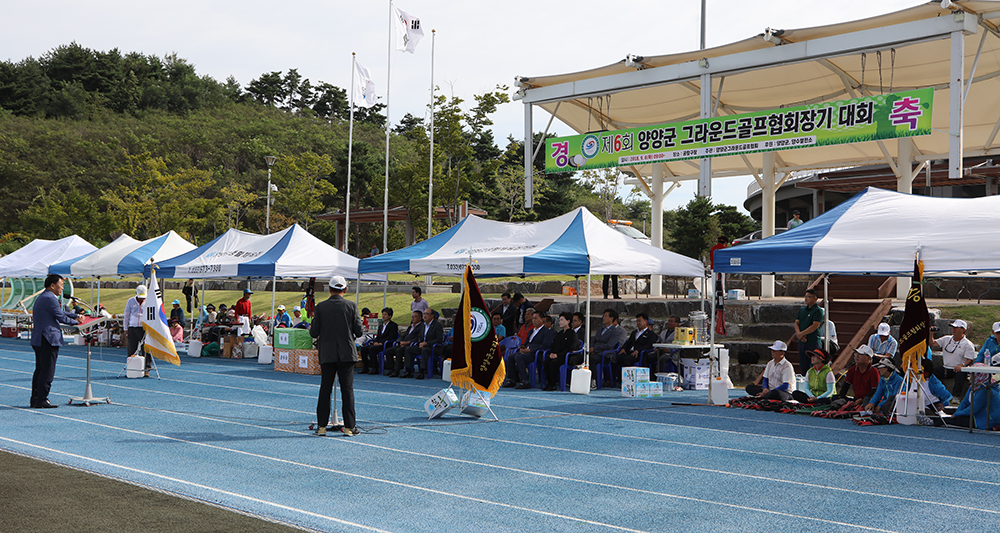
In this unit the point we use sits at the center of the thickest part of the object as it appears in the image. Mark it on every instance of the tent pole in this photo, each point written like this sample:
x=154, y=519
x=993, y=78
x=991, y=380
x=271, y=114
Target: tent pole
x=826, y=313
x=357, y=292
x=578, y=293
x=712, y=358
x=274, y=286
x=98, y=292
x=586, y=341
x=385, y=289
x=91, y=292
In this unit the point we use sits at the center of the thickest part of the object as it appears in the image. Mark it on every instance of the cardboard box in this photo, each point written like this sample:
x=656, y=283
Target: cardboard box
x=736, y=294
x=228, y=346
x=292, y=339
x=297, y=362
x=642, y=389
x=696, y=374
x=628, y=390
x=635, y=374
x=655, y=390
x=684, y=336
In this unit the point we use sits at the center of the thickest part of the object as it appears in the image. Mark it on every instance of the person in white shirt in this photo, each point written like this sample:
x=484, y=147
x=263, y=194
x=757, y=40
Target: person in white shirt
x=777, y=382
x=882, y=342
x=133, y=324
x=957, y=351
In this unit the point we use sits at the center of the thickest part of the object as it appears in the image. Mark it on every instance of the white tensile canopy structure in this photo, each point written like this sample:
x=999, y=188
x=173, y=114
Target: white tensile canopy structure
x=953, y=47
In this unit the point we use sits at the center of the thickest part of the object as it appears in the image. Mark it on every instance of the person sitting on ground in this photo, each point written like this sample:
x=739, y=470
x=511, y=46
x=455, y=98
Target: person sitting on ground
x=985, y=397
x=298, y=319
x=538, y=339
x=212, y=314
x=430, y=334
x=527, y=328
x=889, y=385
x=777, y=381
x=176, y=312
x=395, y=355
x=176, y=331
x=668, y=360
x=862, y=378
x=563, y=342
x=820, y=380
x=281, y=318
x=957, y=351
x=418, y=303
x=641, y=340
x=387, y=332
x=941, y=396
x=989, y=354
x=882, y=343
x=498, y=326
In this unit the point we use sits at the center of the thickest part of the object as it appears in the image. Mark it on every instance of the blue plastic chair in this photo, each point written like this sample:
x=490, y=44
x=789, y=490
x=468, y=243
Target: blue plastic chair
x=431, y=359
x=564, y=368
x=605, y=364
x=381, y=356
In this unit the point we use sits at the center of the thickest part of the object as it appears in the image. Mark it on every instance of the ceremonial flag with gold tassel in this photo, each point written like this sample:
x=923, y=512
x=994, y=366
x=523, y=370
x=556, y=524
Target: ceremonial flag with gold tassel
x=915, y=328
x=476, y=360
x=154, y=322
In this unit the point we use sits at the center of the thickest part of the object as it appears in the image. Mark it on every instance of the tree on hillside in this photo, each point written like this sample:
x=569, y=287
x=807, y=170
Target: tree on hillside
x=698, y=226
x=302, y=180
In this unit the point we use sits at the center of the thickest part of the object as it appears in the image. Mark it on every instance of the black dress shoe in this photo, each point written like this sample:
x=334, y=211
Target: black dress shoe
x=393, y=374
x=363, y=370
x=46, y=405
x=509, y=385
x=405, y=375
x=420, y=375
x=549, y=388
x=523, y=386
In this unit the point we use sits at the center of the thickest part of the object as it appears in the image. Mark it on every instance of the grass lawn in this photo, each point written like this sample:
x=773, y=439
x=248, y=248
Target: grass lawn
x=981, y=316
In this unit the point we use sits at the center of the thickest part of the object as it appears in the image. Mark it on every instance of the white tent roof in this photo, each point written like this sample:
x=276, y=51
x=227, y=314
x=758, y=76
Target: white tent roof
x=576, y=243
x=289, y=253
x=785, y=73
x=879, y=232
x=33, y=259
x=124, y=256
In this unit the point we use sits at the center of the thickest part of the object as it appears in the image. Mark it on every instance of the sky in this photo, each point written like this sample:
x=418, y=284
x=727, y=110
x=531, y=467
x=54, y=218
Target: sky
x=479, y=45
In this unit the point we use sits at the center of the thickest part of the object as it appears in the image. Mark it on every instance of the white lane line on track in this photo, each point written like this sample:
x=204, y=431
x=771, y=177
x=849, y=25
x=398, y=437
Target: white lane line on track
x=716, y=471
x=195, y=485
x=320, y=468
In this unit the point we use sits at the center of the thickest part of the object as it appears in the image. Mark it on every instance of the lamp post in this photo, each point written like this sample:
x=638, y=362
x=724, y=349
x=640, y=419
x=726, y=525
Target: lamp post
x=269, y=159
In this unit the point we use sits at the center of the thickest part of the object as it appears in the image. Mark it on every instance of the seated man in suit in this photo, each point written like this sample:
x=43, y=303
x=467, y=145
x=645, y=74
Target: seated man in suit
x=640, y=340
x=431, y=333
x=538, y=339
x=388, y=332
x=609, y=337
x=563, y=342
x=394, y=354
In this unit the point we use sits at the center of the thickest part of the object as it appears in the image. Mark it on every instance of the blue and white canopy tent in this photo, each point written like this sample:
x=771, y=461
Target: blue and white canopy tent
x=292, y=253
x=33, y=259
x=576, y=243
x=878, y=232
x=125, y=256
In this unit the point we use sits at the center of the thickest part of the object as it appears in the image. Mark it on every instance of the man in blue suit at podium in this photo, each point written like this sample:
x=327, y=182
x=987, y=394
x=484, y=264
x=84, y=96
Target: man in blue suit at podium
x=46, y=338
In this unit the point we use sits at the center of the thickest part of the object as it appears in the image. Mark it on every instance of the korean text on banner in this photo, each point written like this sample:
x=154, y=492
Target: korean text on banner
x=883, y=116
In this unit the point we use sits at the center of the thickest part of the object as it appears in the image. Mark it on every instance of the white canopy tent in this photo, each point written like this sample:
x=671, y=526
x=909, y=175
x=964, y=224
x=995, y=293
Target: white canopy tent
x=125, y=256
x=34, y=259
x=953, y=47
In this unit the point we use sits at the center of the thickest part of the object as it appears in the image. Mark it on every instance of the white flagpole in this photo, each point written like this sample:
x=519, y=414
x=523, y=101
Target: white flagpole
x=430, y=181
x=350, y=153
x=388, y=85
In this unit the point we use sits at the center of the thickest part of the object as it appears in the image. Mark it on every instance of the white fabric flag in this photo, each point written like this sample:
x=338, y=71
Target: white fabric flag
x=408, y=31
x=364, y=87
x=154, y=322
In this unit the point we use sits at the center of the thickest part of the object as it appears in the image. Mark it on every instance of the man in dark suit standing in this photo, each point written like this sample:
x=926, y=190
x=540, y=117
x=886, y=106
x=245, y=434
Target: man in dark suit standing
x=386, y=334
x=509, y=313
x=639, y=341
x=336, y=324
x=432, y=333
x=46, y=338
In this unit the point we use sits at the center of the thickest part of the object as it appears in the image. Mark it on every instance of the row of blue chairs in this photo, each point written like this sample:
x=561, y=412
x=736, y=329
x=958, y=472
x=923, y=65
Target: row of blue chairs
x=432, y=365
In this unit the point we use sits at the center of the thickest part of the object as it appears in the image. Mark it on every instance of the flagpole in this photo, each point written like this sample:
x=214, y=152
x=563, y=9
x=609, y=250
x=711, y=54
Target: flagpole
x=385, y=201
x=350, y=153
x=388, y=86
x=430, y=181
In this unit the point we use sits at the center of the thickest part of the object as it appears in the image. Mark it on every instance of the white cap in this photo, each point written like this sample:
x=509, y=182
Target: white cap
x=865, y=349
x=296, y=308
x=281, y=307
x=884, y=329
x=778, y=346
x=996, y=327
x=959, y=324
x=338, y=283
x=140, y=291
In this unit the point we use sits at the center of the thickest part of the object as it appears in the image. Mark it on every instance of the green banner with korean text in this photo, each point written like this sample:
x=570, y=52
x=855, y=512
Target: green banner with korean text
x=884, y=116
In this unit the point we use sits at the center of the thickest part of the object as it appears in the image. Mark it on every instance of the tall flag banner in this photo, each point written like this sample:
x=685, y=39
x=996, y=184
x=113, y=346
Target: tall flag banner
x=915, y=328
x=476, y=360
x=154, y=322
x=408, y=31
x=364, y=87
